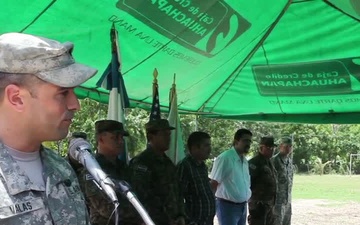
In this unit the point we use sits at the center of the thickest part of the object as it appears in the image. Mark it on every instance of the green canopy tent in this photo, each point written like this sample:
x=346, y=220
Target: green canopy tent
x=286, y=61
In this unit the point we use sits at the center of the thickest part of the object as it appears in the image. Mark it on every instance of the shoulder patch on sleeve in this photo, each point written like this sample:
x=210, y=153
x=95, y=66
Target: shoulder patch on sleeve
x=252, y=166
x=89, y=177
x=141, y=168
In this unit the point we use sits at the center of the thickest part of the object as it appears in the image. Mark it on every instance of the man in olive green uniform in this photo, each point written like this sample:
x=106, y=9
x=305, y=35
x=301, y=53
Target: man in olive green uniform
x=153, y=177
x=110, y=143
x=263, y=185
x=284, y=167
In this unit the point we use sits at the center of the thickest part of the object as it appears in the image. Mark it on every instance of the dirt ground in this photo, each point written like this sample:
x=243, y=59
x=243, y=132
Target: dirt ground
x=321, y=212
x=324, y=212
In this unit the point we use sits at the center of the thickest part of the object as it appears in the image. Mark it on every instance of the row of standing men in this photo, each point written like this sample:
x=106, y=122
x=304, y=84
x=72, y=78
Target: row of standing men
x=37, y=186
x=185, y=193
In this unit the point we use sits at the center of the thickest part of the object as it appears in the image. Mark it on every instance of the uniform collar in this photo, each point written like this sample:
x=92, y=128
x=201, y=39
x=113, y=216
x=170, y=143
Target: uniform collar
x=149, y=150
x=262, y=157
x=15, y=178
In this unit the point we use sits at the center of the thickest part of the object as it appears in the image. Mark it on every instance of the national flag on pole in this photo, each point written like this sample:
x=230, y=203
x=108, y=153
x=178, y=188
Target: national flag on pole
x=155, y=108
x=176, y=151
x=113, y=81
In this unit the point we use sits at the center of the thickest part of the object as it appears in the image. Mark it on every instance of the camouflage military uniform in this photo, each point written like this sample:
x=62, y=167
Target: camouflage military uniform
x=154, y=181
x=284, y=168
x=23, y=202
x=263, y=187
x=99, y=204
x=76, y=166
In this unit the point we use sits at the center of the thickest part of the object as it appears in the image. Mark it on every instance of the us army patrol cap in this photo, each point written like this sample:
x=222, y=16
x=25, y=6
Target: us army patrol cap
x=110, y=126
x=286, y=140
x=268, y=141
x=47, y=59
x=156, y=125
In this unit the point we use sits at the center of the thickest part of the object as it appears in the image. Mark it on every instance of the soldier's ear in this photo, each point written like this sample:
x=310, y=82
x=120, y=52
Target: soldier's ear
x=101, y=138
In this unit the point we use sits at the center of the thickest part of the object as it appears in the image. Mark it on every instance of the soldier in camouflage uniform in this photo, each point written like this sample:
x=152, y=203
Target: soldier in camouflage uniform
x=37, y=104
x=263, y=185
x=284, y=167
x=110, y=144
x=154, y=179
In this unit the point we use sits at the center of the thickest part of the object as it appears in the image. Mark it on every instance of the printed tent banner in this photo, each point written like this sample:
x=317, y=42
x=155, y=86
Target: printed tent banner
x=286, y=61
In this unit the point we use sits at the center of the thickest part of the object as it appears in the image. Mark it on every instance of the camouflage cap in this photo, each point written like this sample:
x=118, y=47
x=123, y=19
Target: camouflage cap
x=160, y=124
x=286, y=140
x=47, y=59
x=268, y=141
x=110, y=126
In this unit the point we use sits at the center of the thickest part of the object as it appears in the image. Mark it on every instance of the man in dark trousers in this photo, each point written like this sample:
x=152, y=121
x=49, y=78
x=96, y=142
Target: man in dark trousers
x=263, y=185
x=194, y=181
x=153, y=177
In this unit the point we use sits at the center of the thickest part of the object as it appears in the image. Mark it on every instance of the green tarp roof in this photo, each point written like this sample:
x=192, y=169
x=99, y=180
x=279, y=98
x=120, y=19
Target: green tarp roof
x=254, y=60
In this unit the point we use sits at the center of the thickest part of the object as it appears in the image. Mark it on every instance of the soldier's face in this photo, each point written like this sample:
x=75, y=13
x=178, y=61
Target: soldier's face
x=161, y=140
x=49, y=111
x=267, y=151
x=111, y=143
x=286, y=149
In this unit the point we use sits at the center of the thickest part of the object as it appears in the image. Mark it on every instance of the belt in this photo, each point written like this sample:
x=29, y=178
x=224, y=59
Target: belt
x=231, y=202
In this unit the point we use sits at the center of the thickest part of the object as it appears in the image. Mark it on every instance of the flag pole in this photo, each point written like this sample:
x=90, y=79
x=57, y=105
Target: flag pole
x=155, y=113
x=155, y=82
x=176, y=124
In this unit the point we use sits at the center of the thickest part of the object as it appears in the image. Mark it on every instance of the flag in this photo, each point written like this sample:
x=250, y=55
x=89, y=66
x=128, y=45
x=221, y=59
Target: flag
x=176, y=151
x=113, y=81
x=155, y=107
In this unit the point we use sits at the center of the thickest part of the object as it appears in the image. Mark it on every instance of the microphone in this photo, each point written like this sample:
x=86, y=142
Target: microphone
x=79, y=150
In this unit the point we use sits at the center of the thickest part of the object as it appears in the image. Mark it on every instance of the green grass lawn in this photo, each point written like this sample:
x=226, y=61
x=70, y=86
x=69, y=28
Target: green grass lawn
x=331, y=187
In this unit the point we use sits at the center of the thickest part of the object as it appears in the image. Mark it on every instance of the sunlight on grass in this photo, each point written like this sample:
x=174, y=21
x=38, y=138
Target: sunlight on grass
x=331, y=187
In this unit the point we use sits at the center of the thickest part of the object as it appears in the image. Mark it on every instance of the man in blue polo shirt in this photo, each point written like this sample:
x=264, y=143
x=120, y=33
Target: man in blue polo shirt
x=230, y=179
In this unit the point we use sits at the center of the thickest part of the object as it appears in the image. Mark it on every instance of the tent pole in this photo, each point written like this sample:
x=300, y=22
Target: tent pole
x=196, y=122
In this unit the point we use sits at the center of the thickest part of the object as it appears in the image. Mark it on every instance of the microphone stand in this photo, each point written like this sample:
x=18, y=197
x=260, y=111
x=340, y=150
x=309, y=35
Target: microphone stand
x=117, y=216
x=115, y=202
x=124, y=189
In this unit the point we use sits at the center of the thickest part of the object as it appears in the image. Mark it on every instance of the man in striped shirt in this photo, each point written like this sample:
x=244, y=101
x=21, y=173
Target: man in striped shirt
x=194, y=181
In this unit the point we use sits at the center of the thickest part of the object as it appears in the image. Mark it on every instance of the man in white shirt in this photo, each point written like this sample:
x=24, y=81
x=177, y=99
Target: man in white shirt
x=230, y=179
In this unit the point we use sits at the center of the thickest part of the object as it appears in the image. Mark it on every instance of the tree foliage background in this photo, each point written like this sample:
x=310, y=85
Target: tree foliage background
x=320, y=149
